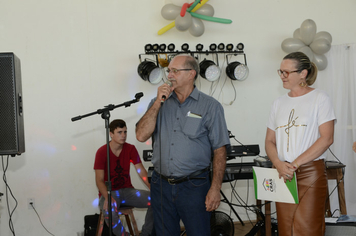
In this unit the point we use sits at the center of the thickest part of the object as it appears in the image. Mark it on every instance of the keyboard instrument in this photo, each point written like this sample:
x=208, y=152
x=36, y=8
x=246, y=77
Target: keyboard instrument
x=233, y=171
x=233, y=151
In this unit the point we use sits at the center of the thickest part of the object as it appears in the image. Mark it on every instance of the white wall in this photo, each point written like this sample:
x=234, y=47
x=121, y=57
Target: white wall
x=78, y=56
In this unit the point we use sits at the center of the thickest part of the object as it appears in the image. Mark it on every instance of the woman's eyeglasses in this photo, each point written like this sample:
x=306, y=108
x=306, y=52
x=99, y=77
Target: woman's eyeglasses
x=285, y=73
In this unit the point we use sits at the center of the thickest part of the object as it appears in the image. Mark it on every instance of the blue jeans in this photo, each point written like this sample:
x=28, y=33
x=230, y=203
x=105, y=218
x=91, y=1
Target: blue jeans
x=184, y=201
x=129, y=197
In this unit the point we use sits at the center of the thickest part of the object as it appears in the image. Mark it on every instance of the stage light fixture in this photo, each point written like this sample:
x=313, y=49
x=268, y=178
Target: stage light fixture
x=171, y=47
x=212, y=47
x=209, y=70
x=199, y=47
x=155, y=47
x=162, y=47
x=185, y=47
x=163, y=62
x=150, y=72
x=148, y=47
x=230, y=47
x=240, y=46
x=221, y=47
x=237, y=71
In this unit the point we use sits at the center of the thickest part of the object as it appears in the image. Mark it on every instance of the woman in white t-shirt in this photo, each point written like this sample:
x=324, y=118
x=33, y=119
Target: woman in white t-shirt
x=300, y=130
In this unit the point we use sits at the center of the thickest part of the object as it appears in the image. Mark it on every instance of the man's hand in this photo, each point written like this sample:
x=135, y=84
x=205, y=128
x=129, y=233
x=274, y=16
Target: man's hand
x=212, y=200
x=113, y=204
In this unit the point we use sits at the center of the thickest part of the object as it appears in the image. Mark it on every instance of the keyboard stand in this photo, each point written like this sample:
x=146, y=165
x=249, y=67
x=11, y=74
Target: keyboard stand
x=225, y=200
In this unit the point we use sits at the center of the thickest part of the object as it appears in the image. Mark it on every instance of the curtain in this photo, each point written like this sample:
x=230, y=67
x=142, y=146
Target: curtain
x=339, y=81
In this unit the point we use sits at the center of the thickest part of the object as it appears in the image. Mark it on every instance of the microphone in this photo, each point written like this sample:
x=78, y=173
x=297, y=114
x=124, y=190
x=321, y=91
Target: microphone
x=164, y=96
x=138, y=96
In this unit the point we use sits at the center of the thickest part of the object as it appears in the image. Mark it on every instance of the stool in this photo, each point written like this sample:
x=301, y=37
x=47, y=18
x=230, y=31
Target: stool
x=128, y=213
x=334, y=171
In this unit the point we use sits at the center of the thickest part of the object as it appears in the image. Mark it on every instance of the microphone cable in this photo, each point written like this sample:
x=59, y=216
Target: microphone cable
x=7, y=190
x=163, y=99
x=160, y=163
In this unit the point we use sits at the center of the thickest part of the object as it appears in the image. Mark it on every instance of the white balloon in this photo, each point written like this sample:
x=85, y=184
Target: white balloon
x=320, y=46
x=296, y=34
x=324, y=35
x=320, y=61
x=307, y=31
x=179, y=2
x=197, y=28
x=307, y=51
x=170, y=11
x=206, y=10
x=292, y=45
x=183, y=23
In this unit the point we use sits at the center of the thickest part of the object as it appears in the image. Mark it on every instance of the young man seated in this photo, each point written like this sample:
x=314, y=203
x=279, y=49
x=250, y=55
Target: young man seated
x=123, y=193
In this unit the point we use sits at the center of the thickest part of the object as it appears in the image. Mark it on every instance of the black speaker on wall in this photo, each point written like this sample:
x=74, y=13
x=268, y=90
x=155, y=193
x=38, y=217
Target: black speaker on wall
x=12, y=136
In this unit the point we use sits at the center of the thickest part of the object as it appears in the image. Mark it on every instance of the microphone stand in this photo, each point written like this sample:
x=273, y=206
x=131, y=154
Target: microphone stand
x=105, y=114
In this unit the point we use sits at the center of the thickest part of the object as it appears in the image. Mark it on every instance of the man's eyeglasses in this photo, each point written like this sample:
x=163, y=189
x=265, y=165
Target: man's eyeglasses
x=175, y=71
x=286, y=73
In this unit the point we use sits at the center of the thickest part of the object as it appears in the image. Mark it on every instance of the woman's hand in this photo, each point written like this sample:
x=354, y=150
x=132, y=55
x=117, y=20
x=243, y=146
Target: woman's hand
x=285, y=170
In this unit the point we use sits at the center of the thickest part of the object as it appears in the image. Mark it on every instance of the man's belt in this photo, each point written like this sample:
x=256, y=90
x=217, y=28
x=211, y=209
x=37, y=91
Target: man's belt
x=178, y=180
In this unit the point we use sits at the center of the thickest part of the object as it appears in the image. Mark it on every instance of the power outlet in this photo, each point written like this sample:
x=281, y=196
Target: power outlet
x=30, y=203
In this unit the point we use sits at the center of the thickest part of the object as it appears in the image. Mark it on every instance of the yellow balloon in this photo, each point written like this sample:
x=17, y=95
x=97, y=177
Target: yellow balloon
x=166, y=28
x=199, y=5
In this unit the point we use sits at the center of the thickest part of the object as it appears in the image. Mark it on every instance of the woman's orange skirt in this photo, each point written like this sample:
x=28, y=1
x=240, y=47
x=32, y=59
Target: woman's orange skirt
x=307, y=217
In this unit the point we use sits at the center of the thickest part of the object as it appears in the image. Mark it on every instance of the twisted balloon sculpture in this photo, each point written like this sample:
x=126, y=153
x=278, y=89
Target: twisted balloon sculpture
x=189, y=16
x=306, y=40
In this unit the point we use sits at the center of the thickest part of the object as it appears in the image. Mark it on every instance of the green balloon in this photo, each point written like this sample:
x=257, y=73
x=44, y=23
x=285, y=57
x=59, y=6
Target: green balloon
x=209, y=18
x=193, y=5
